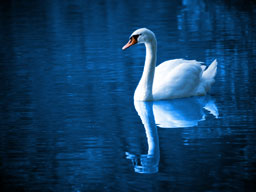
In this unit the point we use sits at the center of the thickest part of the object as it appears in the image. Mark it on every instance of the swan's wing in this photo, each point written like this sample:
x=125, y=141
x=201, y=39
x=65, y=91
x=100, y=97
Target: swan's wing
x=176, y=78
x=171, y=64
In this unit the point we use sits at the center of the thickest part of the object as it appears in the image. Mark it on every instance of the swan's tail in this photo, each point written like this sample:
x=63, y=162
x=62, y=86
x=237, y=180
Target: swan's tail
x=209, y=75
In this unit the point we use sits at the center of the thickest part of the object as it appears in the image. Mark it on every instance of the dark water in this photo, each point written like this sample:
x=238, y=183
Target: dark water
x=68, y=121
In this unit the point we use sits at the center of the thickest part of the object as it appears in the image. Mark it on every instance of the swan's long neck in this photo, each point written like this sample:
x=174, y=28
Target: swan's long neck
x=143, y=91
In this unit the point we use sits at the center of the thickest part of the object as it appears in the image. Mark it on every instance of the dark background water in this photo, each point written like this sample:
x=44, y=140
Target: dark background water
x=66, y=95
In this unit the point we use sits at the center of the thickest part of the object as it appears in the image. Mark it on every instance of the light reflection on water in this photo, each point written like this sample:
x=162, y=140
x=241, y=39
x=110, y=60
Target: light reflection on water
x=67, y=112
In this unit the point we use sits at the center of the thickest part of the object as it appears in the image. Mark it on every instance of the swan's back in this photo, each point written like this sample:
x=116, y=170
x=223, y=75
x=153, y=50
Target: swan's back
x=169, y=65
x=177, y=78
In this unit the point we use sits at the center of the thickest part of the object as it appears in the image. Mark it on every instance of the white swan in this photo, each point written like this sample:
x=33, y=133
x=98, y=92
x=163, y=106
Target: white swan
x=173, y=78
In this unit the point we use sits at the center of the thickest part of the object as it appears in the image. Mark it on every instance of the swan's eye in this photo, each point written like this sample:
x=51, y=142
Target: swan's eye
x=136, y=36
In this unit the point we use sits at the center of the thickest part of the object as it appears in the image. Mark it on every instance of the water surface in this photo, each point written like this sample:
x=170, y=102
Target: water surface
x=67, y=116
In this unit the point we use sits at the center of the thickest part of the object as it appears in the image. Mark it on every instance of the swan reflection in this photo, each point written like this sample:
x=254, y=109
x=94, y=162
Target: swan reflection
x=185, y=112
x=177, y=113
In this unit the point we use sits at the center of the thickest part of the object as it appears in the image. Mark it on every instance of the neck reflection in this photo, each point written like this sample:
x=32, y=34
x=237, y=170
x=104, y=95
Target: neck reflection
x=147, y=163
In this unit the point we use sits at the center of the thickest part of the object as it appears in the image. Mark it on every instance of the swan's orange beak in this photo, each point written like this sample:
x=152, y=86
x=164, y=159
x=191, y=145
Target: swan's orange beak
x=131, y=42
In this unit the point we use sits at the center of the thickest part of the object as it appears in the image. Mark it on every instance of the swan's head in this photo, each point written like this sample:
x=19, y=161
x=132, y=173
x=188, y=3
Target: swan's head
x=142, y=35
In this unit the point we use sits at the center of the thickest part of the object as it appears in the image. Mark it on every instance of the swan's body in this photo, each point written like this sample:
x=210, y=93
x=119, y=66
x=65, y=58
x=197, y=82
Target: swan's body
x=171, y=79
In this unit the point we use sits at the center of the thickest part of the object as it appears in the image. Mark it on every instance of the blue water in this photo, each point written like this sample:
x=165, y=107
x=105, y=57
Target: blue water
x=67, y=116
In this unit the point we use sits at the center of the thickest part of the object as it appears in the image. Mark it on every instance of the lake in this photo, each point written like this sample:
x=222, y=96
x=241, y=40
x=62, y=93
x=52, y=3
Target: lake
x=68, y=118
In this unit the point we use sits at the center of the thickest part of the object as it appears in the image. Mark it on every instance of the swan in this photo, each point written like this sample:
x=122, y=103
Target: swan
x=171, y=79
